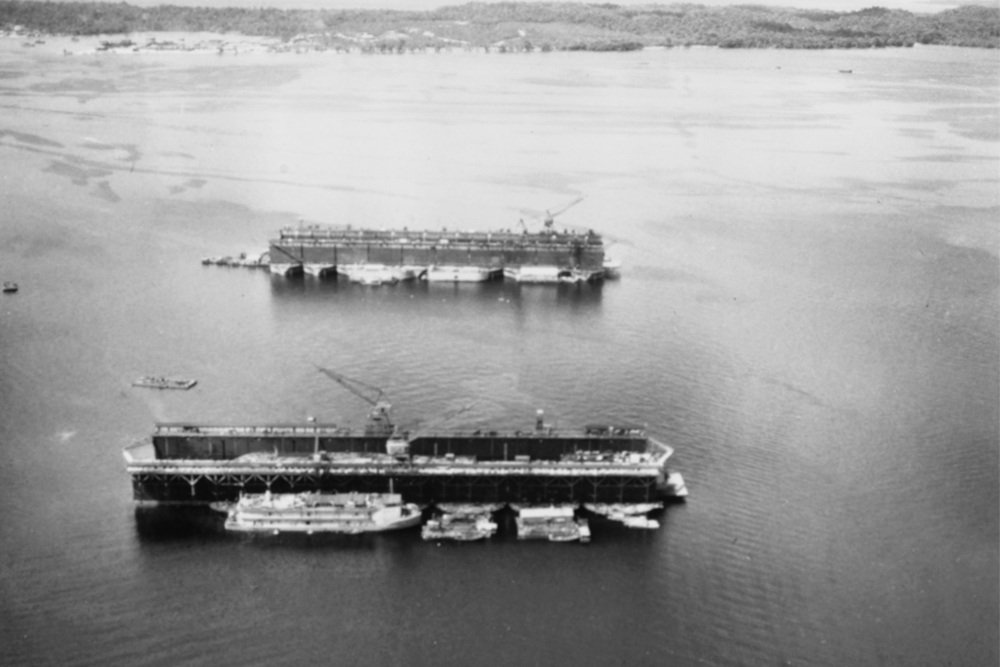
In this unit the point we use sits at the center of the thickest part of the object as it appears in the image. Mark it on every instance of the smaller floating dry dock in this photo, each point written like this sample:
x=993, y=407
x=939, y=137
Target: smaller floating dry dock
x=442, y=255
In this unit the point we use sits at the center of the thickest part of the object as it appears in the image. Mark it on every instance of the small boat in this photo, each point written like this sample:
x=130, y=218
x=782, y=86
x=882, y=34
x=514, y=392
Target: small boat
x=240, y=260
x=467, y=509
x=553, y=523
x=845, y=71
x=9, y=287
x=675, y=487
x=616, y=510
x=632, y=515
x=312, y=512
x=640, y=522
x=460, y=527
x=155, y=382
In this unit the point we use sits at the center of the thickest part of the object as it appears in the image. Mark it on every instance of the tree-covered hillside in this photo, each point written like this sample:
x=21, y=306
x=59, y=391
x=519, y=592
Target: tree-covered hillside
x=512, y=26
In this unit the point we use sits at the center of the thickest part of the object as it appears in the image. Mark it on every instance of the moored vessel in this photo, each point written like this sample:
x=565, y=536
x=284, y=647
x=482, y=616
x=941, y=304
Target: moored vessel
x=553, y=523
x=460, y=527
x=313, y=512
x=621, y=510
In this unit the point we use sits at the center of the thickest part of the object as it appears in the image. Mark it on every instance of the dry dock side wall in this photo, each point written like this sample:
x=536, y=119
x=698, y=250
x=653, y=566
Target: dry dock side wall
x=199, y=488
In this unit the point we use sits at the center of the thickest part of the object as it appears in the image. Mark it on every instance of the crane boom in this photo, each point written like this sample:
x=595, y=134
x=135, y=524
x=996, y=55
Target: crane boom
x=356, y=387
x=379, y=419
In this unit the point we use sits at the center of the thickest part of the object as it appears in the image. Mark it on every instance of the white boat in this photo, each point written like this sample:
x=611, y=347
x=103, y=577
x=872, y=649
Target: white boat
x=675, y=487
x=640, y=522
x=615, y=510
x=321, y=513
x=461, y=527
x=553, y=523
x=460, y=274
x=470, y=508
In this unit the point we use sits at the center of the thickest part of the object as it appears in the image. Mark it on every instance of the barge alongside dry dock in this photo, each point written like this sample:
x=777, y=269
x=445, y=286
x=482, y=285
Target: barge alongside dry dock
x=311, y=513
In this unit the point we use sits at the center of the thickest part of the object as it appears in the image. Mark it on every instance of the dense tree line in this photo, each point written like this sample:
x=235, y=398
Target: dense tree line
x=513, y=26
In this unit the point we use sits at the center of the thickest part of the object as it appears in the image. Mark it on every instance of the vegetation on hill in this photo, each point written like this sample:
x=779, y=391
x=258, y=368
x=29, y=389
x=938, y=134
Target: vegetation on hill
x=513, y=26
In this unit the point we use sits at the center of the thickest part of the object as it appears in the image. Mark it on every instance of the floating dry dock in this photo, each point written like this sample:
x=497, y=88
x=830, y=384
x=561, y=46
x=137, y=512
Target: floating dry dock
x=200, y=464
x=545, y=256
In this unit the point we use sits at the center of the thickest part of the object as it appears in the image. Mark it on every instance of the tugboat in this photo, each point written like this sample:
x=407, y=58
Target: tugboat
x=310, y=513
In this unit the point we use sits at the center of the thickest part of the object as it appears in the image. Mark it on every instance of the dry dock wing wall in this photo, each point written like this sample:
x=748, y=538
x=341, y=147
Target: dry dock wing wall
x=484, y=249
x=224, y=443
x=507, y=447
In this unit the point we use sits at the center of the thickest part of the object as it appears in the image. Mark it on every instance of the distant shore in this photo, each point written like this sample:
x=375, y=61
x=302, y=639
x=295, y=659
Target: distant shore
x=165, y=43
x=500, y=28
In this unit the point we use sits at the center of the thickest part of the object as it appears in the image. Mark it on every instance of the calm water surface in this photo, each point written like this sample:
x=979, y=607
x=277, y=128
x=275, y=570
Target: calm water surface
x=808, y=312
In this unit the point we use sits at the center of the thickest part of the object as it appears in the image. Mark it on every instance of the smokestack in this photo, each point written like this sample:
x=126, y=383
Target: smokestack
x=540, y=420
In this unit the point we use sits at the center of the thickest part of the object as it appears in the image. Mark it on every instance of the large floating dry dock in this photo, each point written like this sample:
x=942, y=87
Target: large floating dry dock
x=197, y=464
x=366, y=254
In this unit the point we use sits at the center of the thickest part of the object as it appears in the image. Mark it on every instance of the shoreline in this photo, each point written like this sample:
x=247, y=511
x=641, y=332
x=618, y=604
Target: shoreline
x=501, y=28
x=232, y=44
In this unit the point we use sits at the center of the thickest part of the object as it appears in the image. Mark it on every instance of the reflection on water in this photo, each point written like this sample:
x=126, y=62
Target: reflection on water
x=307, y=289
x=178, y=524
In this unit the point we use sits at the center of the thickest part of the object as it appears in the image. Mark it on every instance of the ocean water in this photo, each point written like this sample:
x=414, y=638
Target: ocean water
x=808, y=313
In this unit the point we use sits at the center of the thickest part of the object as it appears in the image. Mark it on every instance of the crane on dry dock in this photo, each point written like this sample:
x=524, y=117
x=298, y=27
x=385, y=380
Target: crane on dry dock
x=380, y=417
